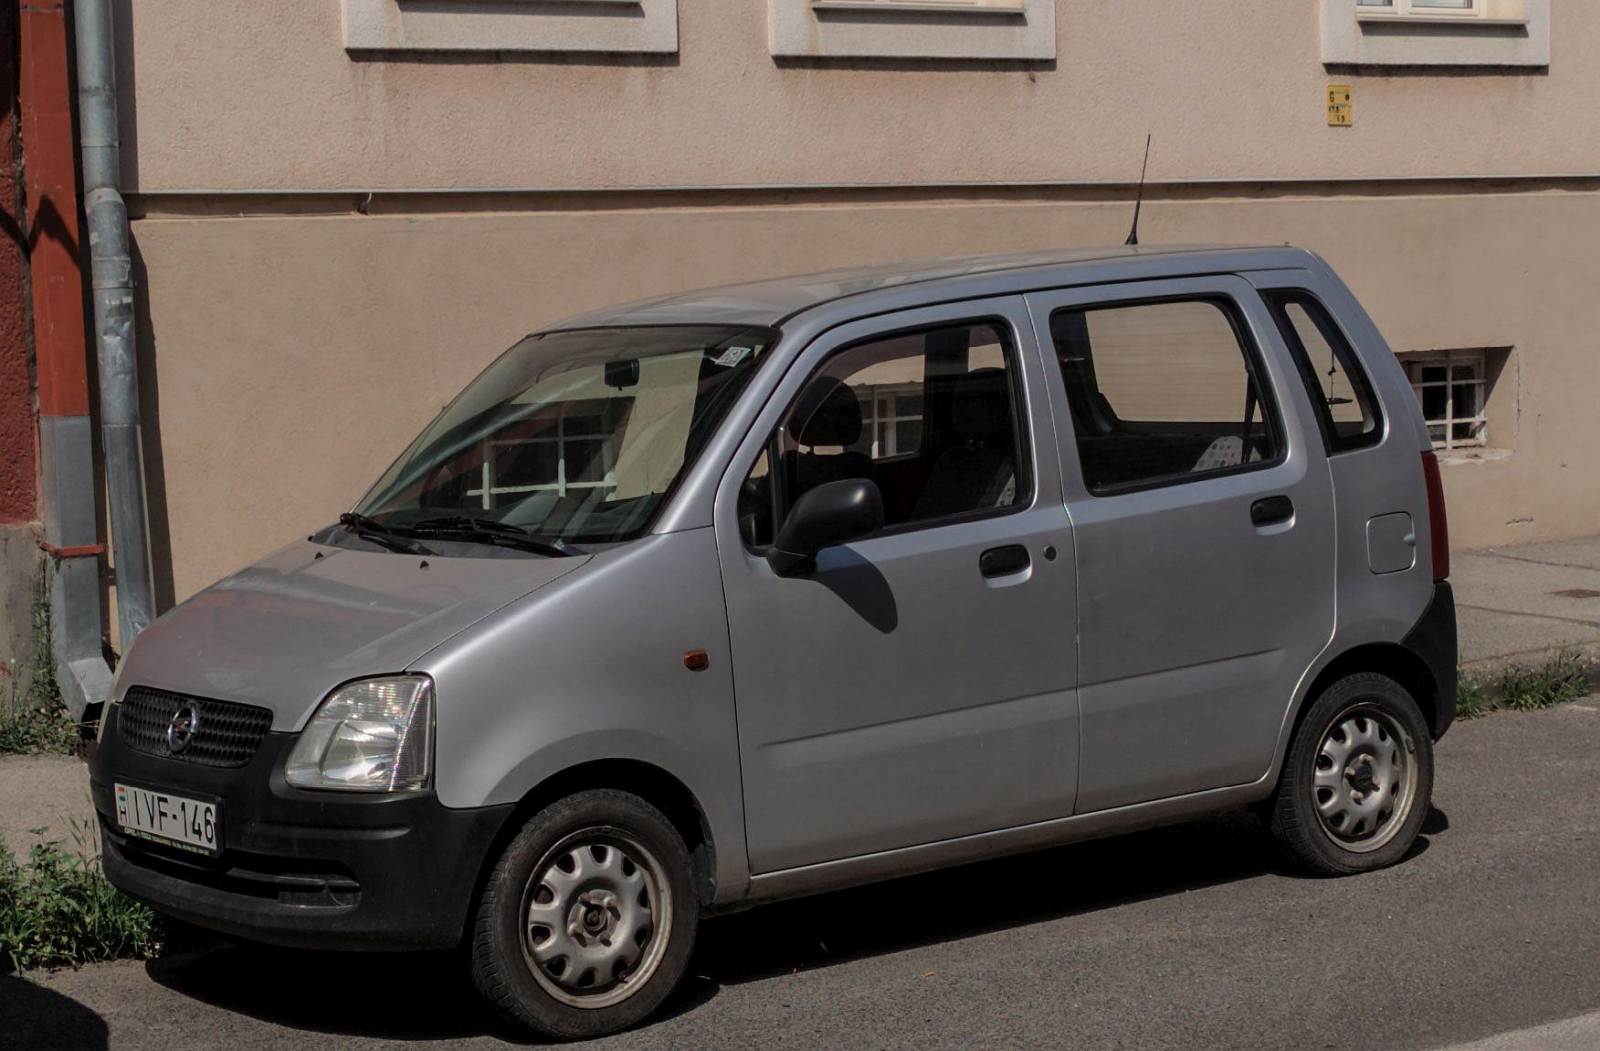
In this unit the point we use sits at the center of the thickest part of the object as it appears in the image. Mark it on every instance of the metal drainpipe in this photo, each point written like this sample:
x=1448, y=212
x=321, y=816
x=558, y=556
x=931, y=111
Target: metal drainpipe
x=66, y=433
x=111, y=270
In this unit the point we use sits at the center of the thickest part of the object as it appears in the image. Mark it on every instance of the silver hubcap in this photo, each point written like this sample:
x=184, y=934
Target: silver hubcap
x=1365, y=779
x=596, y=915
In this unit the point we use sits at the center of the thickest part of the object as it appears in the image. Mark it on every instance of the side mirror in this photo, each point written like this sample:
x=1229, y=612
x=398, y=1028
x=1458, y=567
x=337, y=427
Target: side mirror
x=830, y=514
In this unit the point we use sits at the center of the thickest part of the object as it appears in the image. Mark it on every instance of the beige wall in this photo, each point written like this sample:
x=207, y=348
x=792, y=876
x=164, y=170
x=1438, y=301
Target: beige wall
x=294, y=357
x=293, y=352
x=242, y=94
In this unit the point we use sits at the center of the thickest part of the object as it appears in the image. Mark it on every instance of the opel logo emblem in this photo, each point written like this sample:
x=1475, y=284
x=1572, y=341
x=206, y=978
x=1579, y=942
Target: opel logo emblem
x=181, y=730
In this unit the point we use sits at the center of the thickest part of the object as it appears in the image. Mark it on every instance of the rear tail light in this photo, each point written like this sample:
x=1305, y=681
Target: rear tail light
x=1438, y=527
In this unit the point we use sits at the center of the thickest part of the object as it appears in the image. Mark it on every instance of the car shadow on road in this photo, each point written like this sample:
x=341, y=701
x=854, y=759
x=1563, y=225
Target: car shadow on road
x=35, y=1017
x=426, y=996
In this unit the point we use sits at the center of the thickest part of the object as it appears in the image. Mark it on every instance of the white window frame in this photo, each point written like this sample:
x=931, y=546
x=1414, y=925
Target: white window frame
x=869, y=395
x=1490, y=12
x=487, y=490
x=1477, y=362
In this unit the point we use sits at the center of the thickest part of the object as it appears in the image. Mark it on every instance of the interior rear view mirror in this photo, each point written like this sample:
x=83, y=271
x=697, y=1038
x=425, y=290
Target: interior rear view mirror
x=622, y=373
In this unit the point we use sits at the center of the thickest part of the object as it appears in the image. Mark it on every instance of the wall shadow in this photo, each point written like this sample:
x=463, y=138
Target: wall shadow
x=36, y=1018
x=155, y=468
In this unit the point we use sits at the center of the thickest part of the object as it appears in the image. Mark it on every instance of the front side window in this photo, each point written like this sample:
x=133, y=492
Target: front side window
x=931, y=417
x=1161, y=392
x=574, y=435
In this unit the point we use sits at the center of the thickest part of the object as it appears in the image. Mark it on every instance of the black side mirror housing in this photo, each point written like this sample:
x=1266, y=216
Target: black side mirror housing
x=834, y=513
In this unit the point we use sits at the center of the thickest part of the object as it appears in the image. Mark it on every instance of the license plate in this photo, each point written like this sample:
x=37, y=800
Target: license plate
x=178, y=821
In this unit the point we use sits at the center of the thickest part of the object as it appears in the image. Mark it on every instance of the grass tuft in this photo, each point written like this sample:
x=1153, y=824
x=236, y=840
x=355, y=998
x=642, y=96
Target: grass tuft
x=57, y=909
x=1561, y=679
x=1472, y=697
x=1524, y=688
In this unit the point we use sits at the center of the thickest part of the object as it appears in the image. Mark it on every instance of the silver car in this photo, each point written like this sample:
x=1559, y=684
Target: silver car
x=784, y=587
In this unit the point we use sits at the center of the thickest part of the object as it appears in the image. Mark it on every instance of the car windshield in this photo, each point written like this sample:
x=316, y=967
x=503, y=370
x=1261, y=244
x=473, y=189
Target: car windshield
x=571, y=436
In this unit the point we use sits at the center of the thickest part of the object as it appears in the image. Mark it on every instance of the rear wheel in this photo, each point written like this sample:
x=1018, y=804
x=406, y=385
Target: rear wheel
x=588, y=919
x=1358, y=779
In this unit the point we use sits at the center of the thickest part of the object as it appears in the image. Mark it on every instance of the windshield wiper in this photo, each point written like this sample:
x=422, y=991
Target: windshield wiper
x=489, y=531
x=376, y=533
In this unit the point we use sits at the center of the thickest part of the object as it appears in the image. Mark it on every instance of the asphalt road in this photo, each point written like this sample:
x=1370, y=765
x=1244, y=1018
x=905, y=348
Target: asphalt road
x=1189, y=937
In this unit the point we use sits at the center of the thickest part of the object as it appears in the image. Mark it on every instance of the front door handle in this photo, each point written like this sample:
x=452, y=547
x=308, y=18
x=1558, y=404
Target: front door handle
x=1270, y=510
x=1003, y=561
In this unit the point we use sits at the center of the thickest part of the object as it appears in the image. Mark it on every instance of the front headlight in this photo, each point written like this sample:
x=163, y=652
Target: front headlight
x=375, y=735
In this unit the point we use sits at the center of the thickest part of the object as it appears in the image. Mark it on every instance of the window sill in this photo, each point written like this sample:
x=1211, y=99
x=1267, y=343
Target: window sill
x=1437, y=20
x=1449, y=457
x=989, y=7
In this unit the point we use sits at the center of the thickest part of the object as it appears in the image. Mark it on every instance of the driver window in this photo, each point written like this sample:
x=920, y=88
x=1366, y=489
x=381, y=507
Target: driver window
x=929, y=416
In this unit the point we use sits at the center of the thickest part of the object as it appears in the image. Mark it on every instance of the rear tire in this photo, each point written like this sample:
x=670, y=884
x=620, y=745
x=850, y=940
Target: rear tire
x=588, y=918
x=1358, y=780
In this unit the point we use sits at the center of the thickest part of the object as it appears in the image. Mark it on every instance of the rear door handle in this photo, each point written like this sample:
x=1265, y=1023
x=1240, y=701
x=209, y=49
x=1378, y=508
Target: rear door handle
x=1003, y=561
x=1270, y=510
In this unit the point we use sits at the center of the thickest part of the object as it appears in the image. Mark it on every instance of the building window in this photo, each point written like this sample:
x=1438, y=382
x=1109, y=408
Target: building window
x=893, y=417
x=622, y=26
x=1452, y=388
x=576, y=450
x=944, y=29
x=1465, y=33
x=1429, y=10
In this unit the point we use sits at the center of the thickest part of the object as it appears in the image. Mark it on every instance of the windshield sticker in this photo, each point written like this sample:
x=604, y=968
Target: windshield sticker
x=731, y=357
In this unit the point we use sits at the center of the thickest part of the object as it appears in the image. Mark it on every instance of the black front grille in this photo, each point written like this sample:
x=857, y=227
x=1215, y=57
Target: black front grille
x=228, y=734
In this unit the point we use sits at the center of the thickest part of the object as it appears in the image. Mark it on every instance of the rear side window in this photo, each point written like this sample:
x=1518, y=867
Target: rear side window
x=1162, y=392
x=1346, y=410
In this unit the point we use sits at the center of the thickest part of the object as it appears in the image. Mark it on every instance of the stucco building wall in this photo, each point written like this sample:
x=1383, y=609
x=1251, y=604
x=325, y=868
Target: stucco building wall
x=294, y=344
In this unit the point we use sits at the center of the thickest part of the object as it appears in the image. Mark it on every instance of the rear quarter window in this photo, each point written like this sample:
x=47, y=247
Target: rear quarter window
x=1341, y=394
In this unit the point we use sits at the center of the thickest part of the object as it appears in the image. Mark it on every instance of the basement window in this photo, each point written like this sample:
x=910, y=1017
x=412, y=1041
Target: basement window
x=1453, y=389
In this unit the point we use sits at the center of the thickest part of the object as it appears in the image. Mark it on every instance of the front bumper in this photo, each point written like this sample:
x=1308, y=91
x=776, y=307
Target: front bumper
x=306, y=868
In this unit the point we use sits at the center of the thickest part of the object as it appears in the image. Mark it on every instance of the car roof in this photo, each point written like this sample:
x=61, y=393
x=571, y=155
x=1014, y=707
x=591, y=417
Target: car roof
x=770, y=302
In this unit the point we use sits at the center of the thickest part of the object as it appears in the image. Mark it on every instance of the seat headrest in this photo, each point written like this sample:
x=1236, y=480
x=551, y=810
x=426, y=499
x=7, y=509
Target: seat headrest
x=831, y=414
x=980, y=411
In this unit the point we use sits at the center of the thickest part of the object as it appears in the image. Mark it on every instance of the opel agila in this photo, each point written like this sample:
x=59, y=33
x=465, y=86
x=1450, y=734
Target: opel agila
x=784, y=587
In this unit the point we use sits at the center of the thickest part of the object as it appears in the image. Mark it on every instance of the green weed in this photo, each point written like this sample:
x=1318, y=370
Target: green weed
x=1561, y=679
x=33, y=719
x=57, y=909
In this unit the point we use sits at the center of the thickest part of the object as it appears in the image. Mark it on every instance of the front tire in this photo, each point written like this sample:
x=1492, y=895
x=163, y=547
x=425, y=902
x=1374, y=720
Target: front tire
x=587, y=921
x=1358, y=780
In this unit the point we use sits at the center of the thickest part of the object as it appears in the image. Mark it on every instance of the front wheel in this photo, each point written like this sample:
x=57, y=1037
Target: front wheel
x=588, y=918
x=1358, y=779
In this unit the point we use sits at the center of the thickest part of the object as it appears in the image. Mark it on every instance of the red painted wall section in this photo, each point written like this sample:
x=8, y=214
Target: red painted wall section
x=18, y=460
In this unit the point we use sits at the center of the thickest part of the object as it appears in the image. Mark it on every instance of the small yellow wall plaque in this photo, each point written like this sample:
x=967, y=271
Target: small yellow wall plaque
x=1340, y=114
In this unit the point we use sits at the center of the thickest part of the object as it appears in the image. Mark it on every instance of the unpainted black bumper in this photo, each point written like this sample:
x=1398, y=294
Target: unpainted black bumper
x=297, y=867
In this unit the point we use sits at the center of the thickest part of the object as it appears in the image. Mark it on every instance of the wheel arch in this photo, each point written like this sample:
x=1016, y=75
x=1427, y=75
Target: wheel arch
x=649, y=782
x=1385, y=658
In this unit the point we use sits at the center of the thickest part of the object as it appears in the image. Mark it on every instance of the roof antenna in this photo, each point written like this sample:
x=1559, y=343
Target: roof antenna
x=1138, y=201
